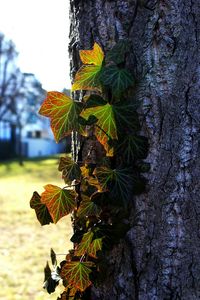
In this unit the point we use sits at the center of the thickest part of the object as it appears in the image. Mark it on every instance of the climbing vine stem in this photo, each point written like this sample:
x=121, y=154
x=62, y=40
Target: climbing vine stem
x=99, y=186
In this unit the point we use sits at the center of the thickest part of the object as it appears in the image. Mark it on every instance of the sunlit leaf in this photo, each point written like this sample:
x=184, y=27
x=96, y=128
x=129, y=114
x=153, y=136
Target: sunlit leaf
x=88, y=245
x=84, y=245
x=94, y=247
x=41, y=209
x=118, y=52
x=77, y=274
x=117, y=79
x=92, y=57
x=105, y=127
x=60, y=202
x=63, y=113
x=88, y=208
x=118, y=181
x=88, y=76
x=70, y=169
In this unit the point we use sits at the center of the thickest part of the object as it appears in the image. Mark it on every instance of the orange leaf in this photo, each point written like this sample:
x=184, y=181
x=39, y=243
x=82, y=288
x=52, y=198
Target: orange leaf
x=63, y=113
x=60, y=202
x=92, y=57
x=77, y=274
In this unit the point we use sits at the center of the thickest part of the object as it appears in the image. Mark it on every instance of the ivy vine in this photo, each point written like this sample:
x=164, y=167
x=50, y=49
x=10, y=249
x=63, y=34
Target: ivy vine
x=99, y=186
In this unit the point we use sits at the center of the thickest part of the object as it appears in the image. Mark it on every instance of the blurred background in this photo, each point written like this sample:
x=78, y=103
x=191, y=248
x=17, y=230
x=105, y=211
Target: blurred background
x=33, y=59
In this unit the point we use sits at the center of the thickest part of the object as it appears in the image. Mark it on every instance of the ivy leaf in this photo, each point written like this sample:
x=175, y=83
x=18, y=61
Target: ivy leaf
x=53, y=258
x=117, y=79
x=49, y=283
x=92, y=57
x=105, y=127
x=94, y=100
x=47, y=271
x=88, y=76
x=41, y=210
x=63, y=113
x=88, y=208
x=118, y=52
x=60, y=202
x=133, y=147
x=84, y=245
x=126, y=117
x=77, y=274
x=70, y=169
x=89, y=246
x=118, y=181
x=94, y=247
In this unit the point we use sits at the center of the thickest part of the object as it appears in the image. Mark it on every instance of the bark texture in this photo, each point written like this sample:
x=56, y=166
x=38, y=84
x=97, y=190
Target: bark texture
x=160, y=256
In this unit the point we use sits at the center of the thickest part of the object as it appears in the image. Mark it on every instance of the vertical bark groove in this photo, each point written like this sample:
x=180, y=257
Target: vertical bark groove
x=159, y=259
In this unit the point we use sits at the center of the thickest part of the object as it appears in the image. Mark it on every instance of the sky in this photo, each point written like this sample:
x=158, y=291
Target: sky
x=39, y=29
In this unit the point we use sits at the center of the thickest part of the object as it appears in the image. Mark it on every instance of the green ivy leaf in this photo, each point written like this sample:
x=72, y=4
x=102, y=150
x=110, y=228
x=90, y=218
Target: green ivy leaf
x=60, y=202
x=118, y=52
x=88, y=208
x=117, y=79
x=105, y=128
x=41, y=209
x=94, y=100
x=118, y=181
x=84, y=245
x=126, y=117
x=70, y=169
x=63, y=113
x=94, y=247
x=77, y=274
x=88, y=76
x=133, y=147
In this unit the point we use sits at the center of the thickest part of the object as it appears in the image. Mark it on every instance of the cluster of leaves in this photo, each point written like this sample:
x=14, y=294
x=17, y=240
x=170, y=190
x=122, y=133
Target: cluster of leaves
x=97, y=191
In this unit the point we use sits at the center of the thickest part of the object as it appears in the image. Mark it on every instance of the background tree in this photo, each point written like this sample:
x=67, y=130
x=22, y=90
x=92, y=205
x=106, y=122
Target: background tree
x=20, y=95
x=159, y=258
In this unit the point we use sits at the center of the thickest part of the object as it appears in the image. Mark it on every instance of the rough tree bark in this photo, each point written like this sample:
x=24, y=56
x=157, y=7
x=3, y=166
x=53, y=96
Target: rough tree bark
x=160, y=257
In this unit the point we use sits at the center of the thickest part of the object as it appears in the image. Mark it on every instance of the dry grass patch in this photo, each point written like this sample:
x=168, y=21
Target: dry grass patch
x=24, y=243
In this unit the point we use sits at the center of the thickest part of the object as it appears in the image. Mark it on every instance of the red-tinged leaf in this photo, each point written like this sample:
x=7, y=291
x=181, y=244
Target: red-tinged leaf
x=88, y=208
x=60, y=202
x=41, y=210
x=84, y=245
x=92, y=57
x=63, y=113
x=105, y=128
x=77, y=274
x=88, y=76
x=94, y=247
x=70, y=169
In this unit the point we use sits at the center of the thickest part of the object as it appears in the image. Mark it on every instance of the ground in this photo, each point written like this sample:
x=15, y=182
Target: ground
x=24, y=243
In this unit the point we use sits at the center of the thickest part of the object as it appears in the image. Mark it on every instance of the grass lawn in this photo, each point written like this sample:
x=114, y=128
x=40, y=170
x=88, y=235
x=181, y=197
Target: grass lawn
x=24, y=243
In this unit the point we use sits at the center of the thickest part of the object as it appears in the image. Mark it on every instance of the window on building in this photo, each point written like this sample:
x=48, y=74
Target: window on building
x=38, y=134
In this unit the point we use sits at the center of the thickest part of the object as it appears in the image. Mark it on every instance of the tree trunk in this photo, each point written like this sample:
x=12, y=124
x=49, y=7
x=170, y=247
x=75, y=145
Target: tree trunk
x=159, y=258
